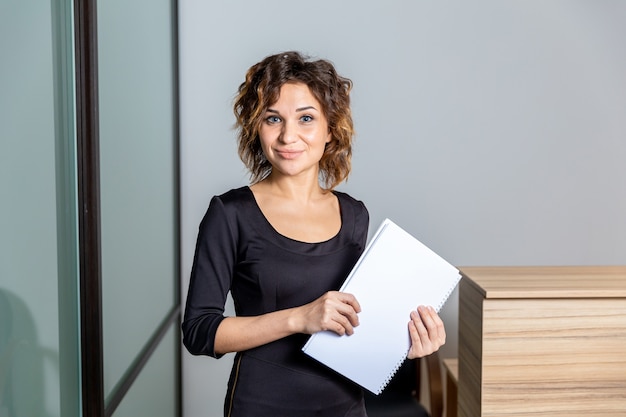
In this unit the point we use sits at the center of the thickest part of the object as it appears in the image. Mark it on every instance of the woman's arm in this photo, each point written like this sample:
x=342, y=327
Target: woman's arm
x=334, y=311
x=210, y=280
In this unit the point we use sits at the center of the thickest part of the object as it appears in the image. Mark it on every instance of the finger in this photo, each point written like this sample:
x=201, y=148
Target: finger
x=435, y=326
x=341, y=318
x=343, y=325
x=417, y=349
x=348, y=328
x=427, y=319
x=341, y=312
x=349, y=307
x=422, y=329
x=415, y=337
x=349, y=316
x=334, y=322
x=350, y=300
x=420, y=337
x=441, y=328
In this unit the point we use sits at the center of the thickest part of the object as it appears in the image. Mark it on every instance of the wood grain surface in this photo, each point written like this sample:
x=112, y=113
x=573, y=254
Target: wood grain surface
x=532, y=344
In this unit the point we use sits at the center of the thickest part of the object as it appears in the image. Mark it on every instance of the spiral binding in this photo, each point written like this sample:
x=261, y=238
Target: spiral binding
x=445, y=297
x=391, y=374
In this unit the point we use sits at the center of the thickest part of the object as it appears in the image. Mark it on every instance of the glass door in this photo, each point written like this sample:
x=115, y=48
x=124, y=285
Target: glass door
x=139, y=202
x=39, y=323
x=128, y=189
x=89, y=298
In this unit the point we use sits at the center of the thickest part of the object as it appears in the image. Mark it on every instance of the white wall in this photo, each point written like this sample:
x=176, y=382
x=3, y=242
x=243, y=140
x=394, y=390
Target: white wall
x=495, y=132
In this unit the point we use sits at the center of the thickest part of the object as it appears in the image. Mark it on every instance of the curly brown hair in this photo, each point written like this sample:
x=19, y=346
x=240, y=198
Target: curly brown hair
x=262, y=88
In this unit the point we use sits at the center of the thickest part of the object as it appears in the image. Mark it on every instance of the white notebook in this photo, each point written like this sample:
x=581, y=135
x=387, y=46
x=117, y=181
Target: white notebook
x=395, y=274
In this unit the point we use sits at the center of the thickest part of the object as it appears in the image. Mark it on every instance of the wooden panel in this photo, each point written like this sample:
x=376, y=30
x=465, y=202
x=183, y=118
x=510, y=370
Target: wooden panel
x=553, y=357
x=548, y=282
x=451, y=365
x=470, y=349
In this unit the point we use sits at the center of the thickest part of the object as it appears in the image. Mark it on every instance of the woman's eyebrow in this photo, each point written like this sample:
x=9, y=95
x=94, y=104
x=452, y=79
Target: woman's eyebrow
x=306, y=108
x=299, y=109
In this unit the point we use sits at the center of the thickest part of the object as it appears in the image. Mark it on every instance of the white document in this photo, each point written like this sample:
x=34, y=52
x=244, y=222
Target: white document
x=395, y=274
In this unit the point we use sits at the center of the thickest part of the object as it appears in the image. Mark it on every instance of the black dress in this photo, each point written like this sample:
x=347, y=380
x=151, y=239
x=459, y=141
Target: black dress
x=239, y=251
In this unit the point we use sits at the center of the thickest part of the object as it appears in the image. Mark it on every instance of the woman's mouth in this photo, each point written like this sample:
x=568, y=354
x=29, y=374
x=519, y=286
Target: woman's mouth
x=288, y=154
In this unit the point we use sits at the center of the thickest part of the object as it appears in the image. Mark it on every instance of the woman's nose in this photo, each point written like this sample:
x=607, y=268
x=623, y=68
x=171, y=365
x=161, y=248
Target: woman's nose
x=289, y=133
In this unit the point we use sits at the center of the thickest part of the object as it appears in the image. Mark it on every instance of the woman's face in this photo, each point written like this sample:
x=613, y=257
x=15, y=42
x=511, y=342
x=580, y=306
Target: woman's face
x=294, y=132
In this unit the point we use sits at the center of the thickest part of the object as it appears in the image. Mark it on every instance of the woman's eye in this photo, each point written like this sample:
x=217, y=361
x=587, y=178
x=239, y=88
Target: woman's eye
x=306, y=118
x=273, y=119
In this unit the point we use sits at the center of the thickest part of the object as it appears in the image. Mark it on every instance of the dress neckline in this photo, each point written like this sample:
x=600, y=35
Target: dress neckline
x=275, y=232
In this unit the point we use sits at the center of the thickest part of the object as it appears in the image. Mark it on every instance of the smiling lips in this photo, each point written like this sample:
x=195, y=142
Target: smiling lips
x=289, y=154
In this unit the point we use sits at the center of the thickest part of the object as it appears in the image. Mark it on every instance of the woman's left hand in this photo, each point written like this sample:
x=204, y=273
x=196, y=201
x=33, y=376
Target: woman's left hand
x=427, y=332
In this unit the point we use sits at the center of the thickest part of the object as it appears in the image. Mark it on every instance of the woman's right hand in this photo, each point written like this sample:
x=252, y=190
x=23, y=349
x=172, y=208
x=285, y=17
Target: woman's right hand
x=335, y=311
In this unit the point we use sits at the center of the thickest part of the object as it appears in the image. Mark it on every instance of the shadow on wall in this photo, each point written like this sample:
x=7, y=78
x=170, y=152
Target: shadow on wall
x=21, y=361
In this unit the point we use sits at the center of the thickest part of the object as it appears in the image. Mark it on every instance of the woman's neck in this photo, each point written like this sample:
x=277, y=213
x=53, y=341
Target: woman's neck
x=296, y=189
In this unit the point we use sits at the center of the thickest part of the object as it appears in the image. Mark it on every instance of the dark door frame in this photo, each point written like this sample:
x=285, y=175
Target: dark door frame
x=90, y=268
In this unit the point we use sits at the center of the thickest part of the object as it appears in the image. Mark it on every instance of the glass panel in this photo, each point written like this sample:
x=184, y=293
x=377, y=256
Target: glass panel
x=38, y=286
x=137, y=176
x=154, y=391
x=67, y=207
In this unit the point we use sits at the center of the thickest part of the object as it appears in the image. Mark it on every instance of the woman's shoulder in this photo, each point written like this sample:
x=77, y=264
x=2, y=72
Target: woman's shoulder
x=226, y=211
x=235, y=195
x=230, y=203
x=355, y=216
x=353, y=207
x=346, y=198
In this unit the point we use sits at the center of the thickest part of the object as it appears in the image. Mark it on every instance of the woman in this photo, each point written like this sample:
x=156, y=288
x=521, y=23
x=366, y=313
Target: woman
x=283, y=246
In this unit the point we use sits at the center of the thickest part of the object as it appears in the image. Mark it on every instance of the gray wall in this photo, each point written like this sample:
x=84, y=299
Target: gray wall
x=495, y=132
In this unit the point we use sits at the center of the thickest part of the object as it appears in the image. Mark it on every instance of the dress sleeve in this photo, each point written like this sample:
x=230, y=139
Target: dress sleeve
x=211, y=277
x=362, y=220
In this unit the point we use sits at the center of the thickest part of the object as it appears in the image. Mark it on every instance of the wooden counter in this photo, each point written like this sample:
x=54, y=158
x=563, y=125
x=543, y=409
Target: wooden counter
x=542, y=341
